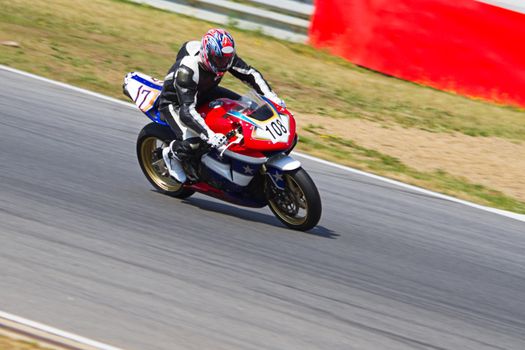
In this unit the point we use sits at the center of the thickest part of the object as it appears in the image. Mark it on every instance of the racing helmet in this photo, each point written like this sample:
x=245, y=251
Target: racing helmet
x=217, y=51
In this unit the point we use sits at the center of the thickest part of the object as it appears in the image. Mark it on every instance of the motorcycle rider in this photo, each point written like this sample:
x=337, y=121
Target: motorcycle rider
x=193, y=80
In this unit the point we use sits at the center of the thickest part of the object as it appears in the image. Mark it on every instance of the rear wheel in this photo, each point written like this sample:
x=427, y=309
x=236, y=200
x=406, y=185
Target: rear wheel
x=150, y=143
x=298, y=206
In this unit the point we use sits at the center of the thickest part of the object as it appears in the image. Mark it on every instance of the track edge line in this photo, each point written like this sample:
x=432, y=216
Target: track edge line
x=16, y=322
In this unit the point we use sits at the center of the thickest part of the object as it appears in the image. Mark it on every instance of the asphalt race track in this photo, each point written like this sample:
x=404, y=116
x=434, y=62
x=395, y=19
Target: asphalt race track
x=87, y=246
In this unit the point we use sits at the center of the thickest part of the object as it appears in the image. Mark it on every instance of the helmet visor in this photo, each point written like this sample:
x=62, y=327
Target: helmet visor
x=222, y=63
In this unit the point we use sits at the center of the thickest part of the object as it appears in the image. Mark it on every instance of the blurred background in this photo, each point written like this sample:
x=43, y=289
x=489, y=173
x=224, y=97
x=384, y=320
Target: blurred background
x=339, y=66
x=431, y=93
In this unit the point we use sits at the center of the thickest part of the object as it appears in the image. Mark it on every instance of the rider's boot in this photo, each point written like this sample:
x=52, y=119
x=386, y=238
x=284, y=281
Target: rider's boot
x=173, y=163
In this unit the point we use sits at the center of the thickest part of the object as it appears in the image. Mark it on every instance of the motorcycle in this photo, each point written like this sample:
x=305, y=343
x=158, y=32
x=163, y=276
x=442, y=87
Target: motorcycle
x=253, y=169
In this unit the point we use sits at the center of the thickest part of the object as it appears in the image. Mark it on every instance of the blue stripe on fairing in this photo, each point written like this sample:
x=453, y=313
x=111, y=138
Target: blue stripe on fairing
x=270, y=104
x=248, y=120
x=243, y=117
x=234, y=193
x=241, y=167
x=279, y=184
x=146, y=82
x=154, y=115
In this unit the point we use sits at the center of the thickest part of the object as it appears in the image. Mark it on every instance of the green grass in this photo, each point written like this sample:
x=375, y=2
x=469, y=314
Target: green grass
x=106, y=38
x=94, y=43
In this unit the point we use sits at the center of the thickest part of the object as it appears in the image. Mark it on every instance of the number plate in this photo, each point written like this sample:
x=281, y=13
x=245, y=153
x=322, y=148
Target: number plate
x=143, y=89
x=146, y=97
x=275, y=129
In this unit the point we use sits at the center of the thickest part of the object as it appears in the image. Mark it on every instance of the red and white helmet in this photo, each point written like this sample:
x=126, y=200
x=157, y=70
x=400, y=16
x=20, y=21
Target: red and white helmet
x=217, y=51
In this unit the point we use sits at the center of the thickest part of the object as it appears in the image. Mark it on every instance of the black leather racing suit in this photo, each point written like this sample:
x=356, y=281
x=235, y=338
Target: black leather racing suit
x=188, y=85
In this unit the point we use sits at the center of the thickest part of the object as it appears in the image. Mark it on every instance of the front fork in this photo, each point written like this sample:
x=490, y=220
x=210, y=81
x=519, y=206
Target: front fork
x=276, y=166
x=277, y=188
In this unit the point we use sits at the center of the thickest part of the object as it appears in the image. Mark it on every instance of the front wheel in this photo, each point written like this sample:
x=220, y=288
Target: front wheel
x=298, y=206
x=152, y=139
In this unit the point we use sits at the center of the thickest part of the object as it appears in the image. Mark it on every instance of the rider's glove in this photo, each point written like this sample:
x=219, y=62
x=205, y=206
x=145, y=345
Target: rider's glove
x=217, y=140
x=272, y=96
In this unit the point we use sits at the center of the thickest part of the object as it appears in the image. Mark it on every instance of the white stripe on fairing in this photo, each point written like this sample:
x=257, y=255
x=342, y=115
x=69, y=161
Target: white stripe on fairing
x=55, y=332
x=246, y=159
x=241, y=179
x=512, y=5
x=220, y=168
x=505, y=213
x=225, y=171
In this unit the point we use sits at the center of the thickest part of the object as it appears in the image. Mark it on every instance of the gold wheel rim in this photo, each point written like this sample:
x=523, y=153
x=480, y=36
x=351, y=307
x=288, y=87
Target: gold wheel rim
x=299, y=199
x=155, y=166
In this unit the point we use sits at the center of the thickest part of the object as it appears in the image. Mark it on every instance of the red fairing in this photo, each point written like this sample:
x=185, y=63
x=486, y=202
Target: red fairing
x=467, y=46
x=265, y=145
x=217, y=119
x=206, y=188
x=220, y=121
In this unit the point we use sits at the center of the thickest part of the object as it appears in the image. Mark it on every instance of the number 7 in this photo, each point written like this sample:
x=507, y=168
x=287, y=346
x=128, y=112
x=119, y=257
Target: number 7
x=145, y=92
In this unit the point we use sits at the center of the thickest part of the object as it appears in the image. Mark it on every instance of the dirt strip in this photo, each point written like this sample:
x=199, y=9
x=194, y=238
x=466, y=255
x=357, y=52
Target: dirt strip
x=490, y=161
x=18, y=336
x=10, y=340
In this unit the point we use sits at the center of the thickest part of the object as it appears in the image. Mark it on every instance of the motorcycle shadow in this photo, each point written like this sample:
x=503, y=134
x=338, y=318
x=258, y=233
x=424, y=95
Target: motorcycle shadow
x=249, y=215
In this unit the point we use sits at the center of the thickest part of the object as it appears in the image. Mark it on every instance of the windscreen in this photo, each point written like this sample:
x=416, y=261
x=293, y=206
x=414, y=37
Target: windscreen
x=254, y=106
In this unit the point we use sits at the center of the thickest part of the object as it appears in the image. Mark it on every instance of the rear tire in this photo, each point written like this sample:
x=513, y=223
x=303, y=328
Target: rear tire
x=298, y=206
x=150, y=142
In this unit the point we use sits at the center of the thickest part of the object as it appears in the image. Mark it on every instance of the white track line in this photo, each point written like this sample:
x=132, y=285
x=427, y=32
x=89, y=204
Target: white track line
x=56, y=332
x=509, y=214
x=67, y=86
x=505, y=213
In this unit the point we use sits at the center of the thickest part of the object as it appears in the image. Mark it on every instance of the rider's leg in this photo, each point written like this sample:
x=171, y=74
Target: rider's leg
x=180, y=149
x=186, y=140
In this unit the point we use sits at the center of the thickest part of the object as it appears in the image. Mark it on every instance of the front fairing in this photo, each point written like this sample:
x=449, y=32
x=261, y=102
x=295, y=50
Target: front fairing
x=265, y=126
x=273, y=134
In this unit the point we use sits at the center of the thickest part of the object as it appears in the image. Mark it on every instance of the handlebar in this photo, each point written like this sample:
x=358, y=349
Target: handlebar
x=231, y=134
x=234, y=132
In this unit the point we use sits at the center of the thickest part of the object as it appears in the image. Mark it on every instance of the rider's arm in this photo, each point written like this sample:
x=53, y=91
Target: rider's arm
x=186, y=87
x=251, y=76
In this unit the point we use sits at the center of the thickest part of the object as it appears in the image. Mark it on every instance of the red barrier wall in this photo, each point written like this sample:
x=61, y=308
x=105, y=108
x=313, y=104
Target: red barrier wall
x=462, y=45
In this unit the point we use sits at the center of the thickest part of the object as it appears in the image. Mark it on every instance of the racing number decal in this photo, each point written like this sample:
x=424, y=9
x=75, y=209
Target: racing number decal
x=145, y=92
x=146, y=98
x=277, y=127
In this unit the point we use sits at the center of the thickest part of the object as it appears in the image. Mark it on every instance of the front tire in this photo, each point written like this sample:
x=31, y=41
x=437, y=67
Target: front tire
x=150, y=142
x=298, y=206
